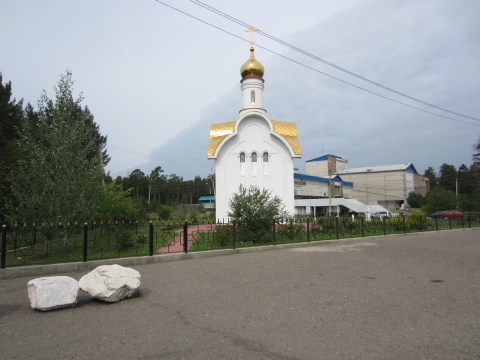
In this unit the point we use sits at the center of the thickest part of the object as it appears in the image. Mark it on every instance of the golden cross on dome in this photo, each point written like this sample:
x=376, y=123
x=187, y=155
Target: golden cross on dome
x=251, y=29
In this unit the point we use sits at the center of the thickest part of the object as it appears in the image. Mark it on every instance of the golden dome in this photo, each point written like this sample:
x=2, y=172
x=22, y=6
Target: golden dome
x=252, y=68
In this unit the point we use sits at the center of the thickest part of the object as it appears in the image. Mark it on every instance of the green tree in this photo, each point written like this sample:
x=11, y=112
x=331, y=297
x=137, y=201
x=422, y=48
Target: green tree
x=175, y=185
x=165, y=212
x=254, y=210
x=11, y=118
x=474, y=200
x=60, y=178
x=155, y=176
x=431, y=175
x=465, y=180
x=415, y=200
x=98, y=139
x=138, y=182
x=440, y=199
x=447, y=177
x=115, y=204
x=476, y=153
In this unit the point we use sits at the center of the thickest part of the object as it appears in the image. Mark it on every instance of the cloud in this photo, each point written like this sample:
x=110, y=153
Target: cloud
x=427, y=49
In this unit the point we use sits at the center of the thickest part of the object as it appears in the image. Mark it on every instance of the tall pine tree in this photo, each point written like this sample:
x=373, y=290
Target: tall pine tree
x=11, y=116
x=60, y=178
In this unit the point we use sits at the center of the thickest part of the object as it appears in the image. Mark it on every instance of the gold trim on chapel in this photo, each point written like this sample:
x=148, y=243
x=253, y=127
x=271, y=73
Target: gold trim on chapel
x=286, y=130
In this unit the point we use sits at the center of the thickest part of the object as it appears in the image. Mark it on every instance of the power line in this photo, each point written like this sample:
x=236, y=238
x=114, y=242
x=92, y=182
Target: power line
x=316, y=70
x=317, y=58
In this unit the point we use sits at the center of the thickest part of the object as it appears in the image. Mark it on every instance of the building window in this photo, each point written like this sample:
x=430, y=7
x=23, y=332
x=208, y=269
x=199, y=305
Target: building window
x=254, y=164
x=254, y=157
x=242, y=164
x=265, y=163
x=252, y=97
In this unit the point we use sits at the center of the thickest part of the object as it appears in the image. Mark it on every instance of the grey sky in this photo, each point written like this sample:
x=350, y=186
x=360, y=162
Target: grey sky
x=155, y=79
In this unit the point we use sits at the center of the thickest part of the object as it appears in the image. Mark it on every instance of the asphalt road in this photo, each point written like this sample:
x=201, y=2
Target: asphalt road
x=402, y=297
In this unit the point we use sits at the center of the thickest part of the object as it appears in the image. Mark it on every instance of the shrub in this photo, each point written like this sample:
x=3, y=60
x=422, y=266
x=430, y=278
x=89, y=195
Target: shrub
x=223, y=234
x=164, y=212
x=416, y=219
x=288, y=229
x=254, y=210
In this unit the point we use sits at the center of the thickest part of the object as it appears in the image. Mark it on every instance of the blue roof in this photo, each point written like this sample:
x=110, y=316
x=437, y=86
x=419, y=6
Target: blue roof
x=310, y=177
x=323, y=158
x=412, y=169
x=321, y=179
x=345, y=183
x=207, y=198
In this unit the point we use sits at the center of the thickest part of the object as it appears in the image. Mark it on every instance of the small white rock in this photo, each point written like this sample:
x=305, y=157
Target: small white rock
x=53, y=292
x=111, y=283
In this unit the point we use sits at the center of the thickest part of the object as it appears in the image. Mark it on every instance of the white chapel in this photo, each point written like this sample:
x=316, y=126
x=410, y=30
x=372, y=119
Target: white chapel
x=253, y=149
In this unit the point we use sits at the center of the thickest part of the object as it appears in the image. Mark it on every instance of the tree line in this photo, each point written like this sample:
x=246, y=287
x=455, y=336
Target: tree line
x=53, y=158
x=157, y=189
x=52, y=166
x=451, y=188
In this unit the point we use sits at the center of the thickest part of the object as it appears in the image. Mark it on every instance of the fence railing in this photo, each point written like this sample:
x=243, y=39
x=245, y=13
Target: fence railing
x=23, y=245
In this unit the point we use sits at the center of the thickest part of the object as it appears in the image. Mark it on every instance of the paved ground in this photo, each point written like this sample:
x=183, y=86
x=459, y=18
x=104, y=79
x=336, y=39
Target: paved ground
x=405, y=297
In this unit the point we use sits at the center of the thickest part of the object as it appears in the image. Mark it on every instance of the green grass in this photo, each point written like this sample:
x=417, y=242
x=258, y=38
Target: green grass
x=25, y=246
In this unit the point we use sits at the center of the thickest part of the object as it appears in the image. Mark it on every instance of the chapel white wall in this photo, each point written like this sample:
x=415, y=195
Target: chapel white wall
x=253, y=135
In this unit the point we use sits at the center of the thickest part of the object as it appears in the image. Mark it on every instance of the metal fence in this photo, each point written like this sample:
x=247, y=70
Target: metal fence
x=23, y=245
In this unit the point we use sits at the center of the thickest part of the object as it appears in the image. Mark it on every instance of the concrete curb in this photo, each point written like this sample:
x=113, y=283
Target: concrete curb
x=50, y=269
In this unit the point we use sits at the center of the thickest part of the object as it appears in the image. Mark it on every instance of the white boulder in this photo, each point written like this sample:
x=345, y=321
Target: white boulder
x=53, y=292
x=111, y=283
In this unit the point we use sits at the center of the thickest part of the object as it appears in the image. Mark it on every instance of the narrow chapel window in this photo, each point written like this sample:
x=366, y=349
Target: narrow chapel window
x=254, y=164
x=254, y=157
x=265, y=163
x=242, y=164
x=252, y=97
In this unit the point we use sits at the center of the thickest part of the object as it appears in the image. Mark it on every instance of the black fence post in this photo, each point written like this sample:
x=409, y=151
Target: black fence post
x=150, y=239
x=185, y=237
x=336, y=228
x=436, y=224
x=85, y=242
x=274, y=233
x=362, y=222
x=404, y=224
x=468, y=219
x=308, y=229
x=421, y=223
x=384, y=226
x=234, y=235
x=463, y=222
x=34, y=241
x=3, y=262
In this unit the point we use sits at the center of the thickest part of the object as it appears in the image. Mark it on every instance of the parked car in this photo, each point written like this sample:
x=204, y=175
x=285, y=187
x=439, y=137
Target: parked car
x=380, y=215
x=447, y=214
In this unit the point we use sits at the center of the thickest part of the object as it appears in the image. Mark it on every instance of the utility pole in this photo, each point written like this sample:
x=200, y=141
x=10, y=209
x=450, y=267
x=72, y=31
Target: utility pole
x=456, y=189
x=329, y=192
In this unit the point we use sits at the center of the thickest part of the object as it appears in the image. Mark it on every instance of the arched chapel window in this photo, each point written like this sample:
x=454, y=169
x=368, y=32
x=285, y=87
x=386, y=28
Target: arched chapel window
x=252, y=97
x=265, y=164
x=242, y=164
x=254, y=164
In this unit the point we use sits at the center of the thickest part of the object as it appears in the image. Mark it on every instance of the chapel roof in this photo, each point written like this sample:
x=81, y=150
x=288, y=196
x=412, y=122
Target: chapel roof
x=252, y=68
x=286, y=130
